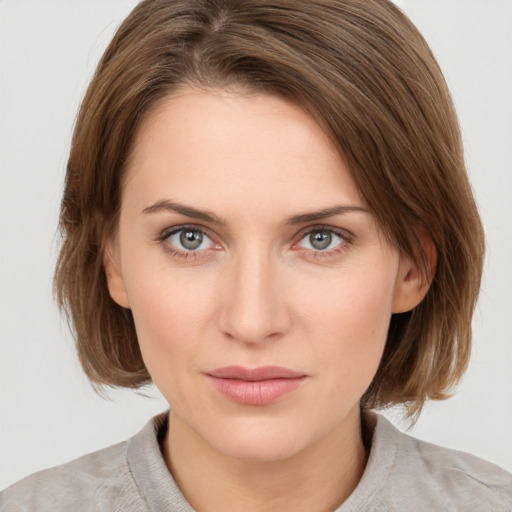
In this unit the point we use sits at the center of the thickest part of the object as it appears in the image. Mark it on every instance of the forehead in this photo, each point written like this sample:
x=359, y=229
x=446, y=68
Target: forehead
x=223, y=148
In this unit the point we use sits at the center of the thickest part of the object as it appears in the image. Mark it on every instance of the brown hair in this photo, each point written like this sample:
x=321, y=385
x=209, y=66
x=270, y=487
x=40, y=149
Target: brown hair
x=368, y=77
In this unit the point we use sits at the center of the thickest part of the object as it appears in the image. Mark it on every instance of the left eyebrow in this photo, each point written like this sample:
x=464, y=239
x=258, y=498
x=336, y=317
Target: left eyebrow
x=325, y=213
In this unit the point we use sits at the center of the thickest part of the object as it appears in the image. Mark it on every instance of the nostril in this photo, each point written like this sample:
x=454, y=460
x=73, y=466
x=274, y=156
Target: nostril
x=253, y=325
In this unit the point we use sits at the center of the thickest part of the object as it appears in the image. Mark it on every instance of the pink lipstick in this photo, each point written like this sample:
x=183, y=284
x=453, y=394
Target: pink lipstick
x=257, y=386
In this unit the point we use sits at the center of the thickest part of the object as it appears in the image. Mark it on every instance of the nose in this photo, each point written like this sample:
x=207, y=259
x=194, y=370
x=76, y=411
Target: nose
x=254, y=305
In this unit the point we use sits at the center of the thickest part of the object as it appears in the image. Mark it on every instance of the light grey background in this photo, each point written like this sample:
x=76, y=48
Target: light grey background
x=48, y=50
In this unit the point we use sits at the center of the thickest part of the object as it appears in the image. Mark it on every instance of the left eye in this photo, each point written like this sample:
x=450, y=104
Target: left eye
x=321, y=240
x=190, y=240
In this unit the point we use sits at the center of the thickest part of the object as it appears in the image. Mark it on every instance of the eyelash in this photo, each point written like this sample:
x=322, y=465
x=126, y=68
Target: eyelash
x=176, y=253
x=347, y=240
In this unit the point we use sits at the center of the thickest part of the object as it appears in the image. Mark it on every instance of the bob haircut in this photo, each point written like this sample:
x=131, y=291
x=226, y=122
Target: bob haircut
x=368, y=77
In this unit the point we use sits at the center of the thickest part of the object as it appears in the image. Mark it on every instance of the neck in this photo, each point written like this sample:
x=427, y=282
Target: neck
x=319, y=477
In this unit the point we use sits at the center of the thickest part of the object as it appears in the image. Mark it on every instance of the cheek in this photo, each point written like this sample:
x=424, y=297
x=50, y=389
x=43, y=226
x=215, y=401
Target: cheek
x=170, y=311
x=349, y=317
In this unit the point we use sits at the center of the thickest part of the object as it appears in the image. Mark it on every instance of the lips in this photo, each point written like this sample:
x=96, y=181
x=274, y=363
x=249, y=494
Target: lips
x=257, y=386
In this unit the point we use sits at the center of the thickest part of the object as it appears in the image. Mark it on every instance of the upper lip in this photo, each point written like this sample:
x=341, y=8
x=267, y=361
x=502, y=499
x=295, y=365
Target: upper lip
x=254, y=374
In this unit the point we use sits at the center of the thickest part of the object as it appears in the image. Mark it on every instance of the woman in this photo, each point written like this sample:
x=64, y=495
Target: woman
x=266, y=213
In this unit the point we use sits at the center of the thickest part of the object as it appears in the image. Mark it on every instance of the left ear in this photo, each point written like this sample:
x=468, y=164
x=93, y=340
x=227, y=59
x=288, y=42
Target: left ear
x=412, y=283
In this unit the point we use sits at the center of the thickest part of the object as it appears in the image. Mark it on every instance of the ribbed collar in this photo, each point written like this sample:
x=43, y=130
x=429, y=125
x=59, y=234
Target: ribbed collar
x=161, y=492
x=150, y=472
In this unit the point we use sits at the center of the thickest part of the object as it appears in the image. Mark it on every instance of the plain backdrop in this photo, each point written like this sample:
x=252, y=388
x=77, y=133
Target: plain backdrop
x=48, y=50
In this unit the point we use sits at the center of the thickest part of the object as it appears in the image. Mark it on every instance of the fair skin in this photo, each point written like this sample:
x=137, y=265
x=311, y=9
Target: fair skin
x=222, y=265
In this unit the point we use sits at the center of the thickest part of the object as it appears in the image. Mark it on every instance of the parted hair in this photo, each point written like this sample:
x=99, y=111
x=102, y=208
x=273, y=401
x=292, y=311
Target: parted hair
x=367, y=76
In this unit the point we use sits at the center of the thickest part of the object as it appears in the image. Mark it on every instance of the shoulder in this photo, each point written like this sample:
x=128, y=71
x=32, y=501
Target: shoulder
x=415, y=475
x=456, y=476
x=98, y=481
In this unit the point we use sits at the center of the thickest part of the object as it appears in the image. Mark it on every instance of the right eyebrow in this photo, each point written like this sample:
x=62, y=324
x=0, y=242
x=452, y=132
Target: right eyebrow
x=165, y=205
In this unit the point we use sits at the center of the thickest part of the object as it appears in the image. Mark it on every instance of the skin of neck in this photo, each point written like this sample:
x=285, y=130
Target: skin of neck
x=320, y=477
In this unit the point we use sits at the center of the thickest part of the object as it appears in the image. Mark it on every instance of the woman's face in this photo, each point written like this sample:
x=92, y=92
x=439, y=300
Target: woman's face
x=260, y=284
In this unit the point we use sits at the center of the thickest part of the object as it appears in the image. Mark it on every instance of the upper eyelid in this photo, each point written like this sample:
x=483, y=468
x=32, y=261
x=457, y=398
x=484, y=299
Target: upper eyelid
x=343, y=233
x=176, y=229
x=162, y=238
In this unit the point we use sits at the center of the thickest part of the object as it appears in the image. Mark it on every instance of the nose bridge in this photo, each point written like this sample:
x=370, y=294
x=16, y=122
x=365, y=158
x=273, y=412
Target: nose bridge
x=254, y=308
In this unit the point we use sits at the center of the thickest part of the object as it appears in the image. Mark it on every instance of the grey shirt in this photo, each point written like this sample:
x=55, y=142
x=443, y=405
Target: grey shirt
x=402, y=474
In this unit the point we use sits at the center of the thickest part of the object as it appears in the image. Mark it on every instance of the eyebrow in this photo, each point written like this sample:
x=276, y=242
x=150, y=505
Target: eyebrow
x=165, y=205
x=325, y=213
x=169, y=206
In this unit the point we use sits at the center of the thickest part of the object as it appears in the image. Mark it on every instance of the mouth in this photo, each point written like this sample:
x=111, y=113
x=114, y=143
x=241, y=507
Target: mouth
x=257, y=386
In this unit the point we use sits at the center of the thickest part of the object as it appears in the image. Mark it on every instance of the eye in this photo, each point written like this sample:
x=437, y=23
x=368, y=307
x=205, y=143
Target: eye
x=189, y=239
x=322, y=239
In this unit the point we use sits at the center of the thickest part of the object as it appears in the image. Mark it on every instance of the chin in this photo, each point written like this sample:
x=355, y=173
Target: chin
x=267, y=448
x=258, y=439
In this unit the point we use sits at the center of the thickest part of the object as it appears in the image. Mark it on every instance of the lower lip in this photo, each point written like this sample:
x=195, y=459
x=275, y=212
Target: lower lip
x=261, y=392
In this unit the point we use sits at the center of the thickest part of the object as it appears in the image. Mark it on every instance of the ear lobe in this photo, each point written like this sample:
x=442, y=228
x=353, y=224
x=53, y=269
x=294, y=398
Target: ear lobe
x=115, y=280
x=413, y=282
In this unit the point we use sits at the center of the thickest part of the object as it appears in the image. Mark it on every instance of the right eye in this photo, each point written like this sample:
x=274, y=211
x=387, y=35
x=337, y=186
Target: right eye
x=189, y=240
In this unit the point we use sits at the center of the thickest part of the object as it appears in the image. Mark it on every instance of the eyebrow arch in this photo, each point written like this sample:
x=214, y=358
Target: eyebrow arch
x=323, y=214
x=165, y=205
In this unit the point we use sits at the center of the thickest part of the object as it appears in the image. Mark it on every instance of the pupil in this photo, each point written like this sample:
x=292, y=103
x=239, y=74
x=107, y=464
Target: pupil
x=191, y=239
x=320, y=240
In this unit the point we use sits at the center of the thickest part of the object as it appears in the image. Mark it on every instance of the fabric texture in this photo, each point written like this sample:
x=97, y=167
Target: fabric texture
x=402, y=474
